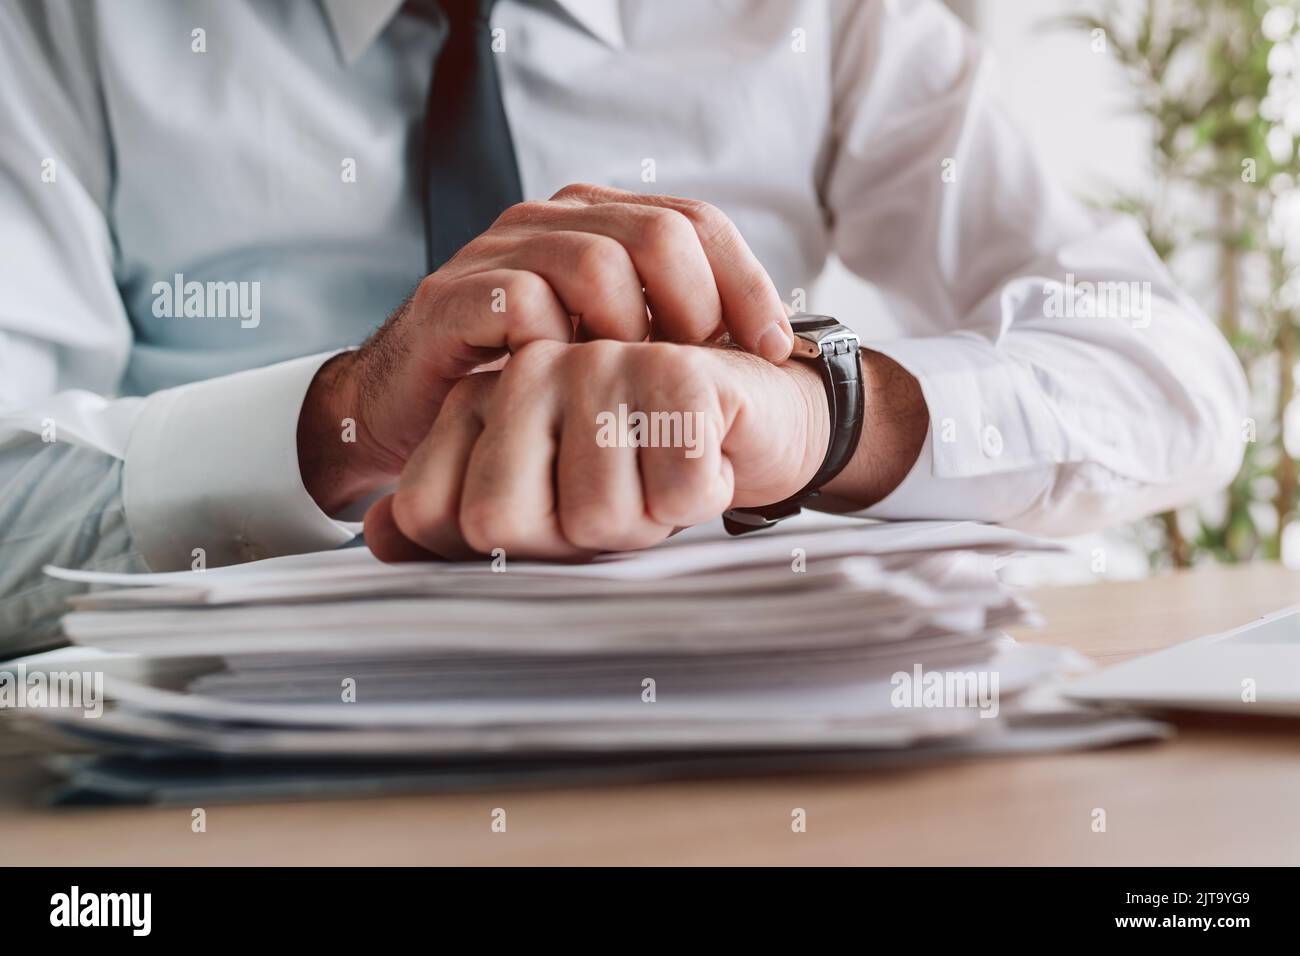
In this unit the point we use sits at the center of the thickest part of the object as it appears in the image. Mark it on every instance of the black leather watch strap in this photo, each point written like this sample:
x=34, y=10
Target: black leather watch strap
x=840, y=365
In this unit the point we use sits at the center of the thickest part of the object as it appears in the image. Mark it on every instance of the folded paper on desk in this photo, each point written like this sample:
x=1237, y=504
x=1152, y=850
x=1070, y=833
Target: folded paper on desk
x=826, y=636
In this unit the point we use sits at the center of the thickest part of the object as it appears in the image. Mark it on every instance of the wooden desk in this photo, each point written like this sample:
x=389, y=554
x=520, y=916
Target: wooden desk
x=1212, y=796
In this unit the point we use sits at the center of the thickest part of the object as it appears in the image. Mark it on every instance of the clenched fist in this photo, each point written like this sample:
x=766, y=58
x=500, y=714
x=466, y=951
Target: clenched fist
x=575, y=449
x=590, y=263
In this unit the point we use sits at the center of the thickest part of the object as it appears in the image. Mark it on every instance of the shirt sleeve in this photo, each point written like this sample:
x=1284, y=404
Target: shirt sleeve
x=1070, y=383
x=212, y=471
x=211, y=465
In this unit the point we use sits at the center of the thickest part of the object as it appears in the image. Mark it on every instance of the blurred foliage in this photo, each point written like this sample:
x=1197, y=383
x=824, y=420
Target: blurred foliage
x=1217, y=83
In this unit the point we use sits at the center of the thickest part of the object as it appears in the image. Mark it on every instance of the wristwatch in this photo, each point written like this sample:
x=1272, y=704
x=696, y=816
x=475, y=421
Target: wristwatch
x=834, y=349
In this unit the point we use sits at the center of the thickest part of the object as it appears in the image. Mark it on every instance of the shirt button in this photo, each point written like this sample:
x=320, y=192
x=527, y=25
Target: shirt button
x=992, y=441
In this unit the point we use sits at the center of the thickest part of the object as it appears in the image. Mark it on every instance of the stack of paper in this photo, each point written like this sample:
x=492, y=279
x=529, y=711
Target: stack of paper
x=828, y=635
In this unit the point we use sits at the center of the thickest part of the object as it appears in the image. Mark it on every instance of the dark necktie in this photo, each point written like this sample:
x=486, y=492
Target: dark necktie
x=470, y=174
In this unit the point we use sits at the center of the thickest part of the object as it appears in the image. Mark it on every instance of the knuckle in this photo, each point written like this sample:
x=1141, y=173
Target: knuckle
x=430, y=289
x=473, y=257
x=583, y=192
x=586, y=357
x=524, y=376
x=601, y=526
x=585, y=525
x=521, y=214
x=519, y=381
x=694, y=365
x=526, y=294
x=486, y=523
x=532, y=359
x=598, y=260
x=678, y=503
x=693, y=494
x=665, y=505
x=710, y=222
x=663, y=232
x=672, y=365
x=418, y=515
x=658, y=359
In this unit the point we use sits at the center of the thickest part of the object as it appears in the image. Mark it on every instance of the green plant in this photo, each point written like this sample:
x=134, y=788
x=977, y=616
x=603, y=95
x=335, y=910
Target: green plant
x=1219, y=83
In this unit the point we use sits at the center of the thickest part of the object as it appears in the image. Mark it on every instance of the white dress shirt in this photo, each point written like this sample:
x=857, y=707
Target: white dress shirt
x=142, y=140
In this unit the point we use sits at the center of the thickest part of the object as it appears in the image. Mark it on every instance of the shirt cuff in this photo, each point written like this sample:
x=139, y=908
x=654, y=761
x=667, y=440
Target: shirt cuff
x=214, y=466
x=990, y=451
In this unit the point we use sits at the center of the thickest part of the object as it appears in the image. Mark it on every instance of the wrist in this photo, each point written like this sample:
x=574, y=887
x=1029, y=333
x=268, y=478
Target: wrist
x=814, y=415
x=334, y=456
x=895, y=423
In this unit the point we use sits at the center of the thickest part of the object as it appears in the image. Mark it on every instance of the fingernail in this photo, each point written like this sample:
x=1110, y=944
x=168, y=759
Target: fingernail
x=775, y=342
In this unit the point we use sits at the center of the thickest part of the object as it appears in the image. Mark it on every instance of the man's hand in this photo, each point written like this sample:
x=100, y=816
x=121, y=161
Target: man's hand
x=542, y=459
x=591, y=263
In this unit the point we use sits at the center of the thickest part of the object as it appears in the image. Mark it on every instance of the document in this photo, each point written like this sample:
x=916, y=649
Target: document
x=824, y=636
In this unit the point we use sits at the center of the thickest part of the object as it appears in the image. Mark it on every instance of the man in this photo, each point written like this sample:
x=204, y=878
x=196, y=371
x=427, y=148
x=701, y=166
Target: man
x=205, y=204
